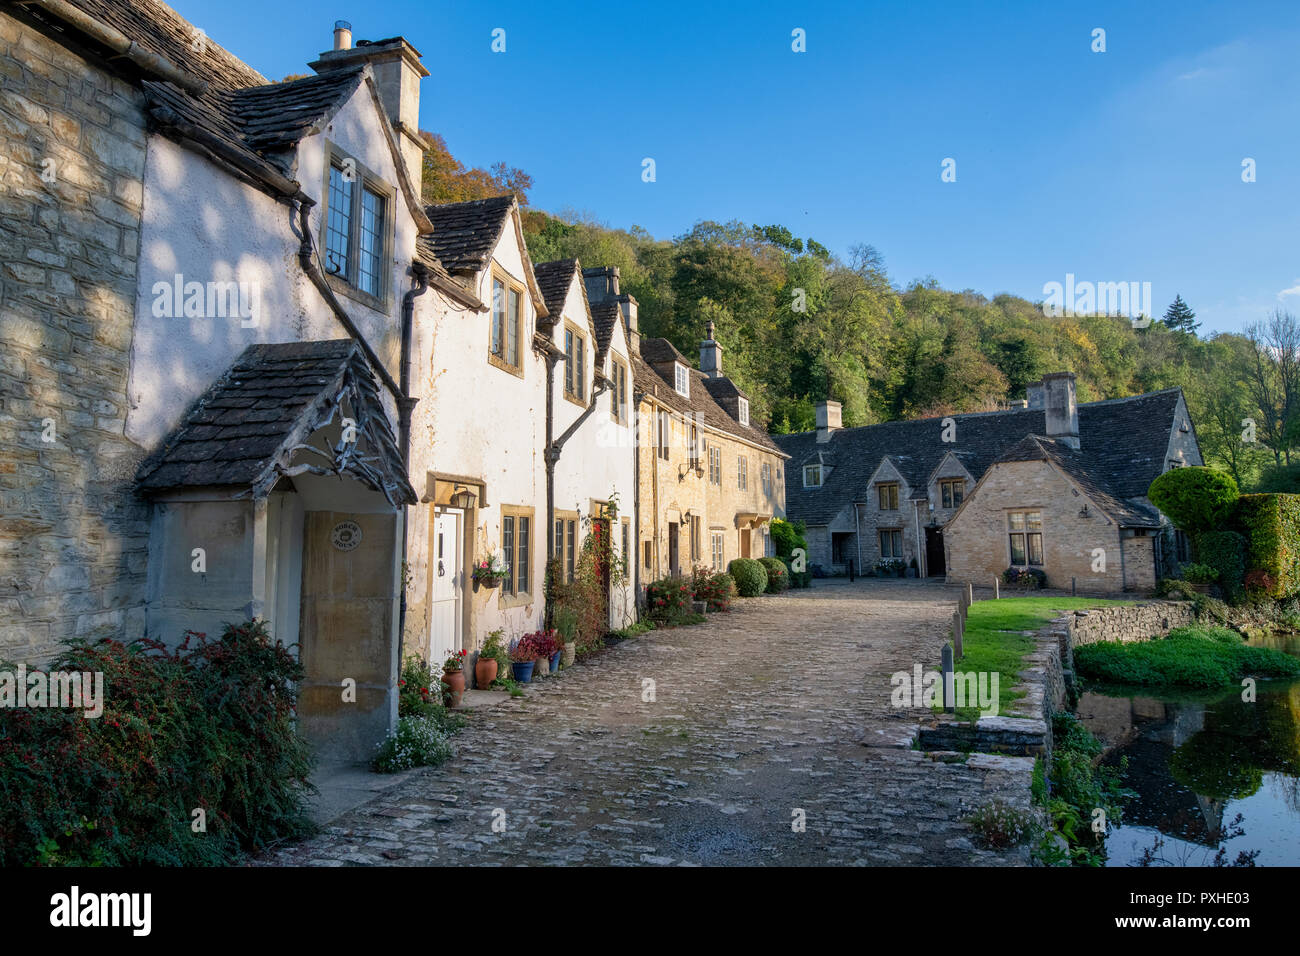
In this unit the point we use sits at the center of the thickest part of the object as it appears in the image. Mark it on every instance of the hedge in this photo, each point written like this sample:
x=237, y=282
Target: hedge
x=1225, y=551
x=750, y=576
x=1272, y=526
x=1195, y=499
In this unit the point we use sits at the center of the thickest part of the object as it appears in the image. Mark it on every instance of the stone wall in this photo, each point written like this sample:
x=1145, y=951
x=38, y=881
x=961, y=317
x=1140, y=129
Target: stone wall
x=73, y=537
x=1139, y=622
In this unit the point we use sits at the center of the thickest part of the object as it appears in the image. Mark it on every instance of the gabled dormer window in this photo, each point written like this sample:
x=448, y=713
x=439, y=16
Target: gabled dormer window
x=812, y=476
x=742, y=413
x=682, y=380
x=575, y=361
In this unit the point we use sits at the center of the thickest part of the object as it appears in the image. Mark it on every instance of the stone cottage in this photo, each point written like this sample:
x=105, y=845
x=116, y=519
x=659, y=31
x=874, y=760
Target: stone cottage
x=709, y=479
x=590, y=436
x=1052, y=484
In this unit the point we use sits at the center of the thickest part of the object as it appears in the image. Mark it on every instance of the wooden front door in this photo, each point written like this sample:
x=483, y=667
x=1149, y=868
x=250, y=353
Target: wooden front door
x=744, y=543
x=934, y=560
x=674, y=548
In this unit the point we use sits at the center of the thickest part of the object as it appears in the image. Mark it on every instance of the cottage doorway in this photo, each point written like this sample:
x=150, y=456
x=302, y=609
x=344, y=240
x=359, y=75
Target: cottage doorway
x=934, y=560
x=446, y=569
x=603, y=546
x=674, y=548
x=744, y=542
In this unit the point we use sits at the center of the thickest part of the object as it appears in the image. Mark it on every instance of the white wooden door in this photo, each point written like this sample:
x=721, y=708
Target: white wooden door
x=446, y=566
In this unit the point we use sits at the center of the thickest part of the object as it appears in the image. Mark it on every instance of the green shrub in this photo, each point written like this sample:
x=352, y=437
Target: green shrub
x=786, y=536
x=1195, y=499
x=1225, y=552
x=1200, y=574
x=207, y=726
x=417, y=742
x=750, y=576
x=1272, y=526
x=798, y=579
x=668, y=599
x=1176, y=589
x=998, y=826
x=1195, y=656
x=778, y=578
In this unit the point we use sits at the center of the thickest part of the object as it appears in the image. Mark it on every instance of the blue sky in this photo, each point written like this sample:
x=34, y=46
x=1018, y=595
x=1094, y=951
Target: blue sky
x=1119, y=166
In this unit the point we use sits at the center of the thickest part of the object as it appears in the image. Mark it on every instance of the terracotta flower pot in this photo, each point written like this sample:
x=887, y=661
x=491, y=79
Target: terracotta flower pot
x=485, y=672
x=455, y=680
x=570, y=651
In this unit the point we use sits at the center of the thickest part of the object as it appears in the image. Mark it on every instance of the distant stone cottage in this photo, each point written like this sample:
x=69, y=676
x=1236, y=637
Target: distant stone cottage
x=1053, y=485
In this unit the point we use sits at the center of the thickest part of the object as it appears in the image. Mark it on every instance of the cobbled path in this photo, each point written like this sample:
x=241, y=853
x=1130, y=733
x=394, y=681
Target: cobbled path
x=781, y=705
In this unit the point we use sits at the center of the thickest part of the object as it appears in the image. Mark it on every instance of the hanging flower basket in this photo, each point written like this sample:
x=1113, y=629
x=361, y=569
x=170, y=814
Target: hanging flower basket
x=490, y=572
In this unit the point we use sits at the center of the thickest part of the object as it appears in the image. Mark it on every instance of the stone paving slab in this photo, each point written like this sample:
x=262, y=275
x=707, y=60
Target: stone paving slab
x=774, y=713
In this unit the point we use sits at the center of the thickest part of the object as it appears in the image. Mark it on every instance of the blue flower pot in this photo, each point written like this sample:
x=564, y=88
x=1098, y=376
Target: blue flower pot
x=523, y=671
x=555, y=661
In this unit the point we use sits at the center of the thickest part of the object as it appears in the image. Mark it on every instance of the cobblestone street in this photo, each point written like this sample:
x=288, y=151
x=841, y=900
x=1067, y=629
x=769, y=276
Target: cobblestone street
x=781, y=705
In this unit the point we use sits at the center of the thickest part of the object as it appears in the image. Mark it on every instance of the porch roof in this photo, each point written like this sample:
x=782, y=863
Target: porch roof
x=253, y=426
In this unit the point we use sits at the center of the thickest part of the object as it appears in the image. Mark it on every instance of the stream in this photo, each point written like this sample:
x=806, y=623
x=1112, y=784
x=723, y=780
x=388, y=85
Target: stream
x=1217, y=778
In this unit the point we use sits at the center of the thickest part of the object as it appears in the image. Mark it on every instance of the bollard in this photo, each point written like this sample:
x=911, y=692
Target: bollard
x=970, y=594
x=958, y=632
x=851, y=577
x=945, y=655
x=1073, y=590
x=995, y=589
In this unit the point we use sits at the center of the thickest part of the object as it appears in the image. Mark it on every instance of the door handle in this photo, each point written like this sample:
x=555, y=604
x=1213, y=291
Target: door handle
x=441, y=569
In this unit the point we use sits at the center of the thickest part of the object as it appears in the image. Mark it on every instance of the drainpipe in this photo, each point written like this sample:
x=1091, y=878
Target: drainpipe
x=857, y=534
x=550, y=456
x=634, y=414
x=920, y=552
x=1123, y=572
x=405, y=405
x=307, y=256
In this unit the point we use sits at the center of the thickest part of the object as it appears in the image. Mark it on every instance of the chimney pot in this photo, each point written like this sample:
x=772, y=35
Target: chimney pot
x=342, y=35
x=1060, y=408
x=710, y=354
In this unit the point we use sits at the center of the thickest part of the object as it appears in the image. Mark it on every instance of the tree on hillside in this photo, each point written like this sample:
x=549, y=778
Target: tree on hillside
x=1274, y=381
x=1180, y=317
x=445, y=179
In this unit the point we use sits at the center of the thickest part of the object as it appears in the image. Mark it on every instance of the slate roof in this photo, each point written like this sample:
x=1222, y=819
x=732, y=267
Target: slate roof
x=554, y=279
x=605, y=315
x=264, y=122
x=1123, y=443
x=1130, y=514
x=245, y=430
x=160, y=30
x=464, y=233
x=701, y=402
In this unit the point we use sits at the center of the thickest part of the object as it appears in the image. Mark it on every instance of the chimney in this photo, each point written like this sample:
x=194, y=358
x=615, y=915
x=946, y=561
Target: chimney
x=1060, y=410
x=1035, y=397
x=397, y=71
x=828, y=419
x=601, y=283
x=710, y=354
x=342, y=35
x=602, y=286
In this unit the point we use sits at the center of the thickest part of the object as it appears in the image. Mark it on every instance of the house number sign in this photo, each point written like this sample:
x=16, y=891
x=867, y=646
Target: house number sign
x=346, y=535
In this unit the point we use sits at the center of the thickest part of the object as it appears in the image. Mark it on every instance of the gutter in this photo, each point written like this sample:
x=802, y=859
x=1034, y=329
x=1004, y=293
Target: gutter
x=120, y=44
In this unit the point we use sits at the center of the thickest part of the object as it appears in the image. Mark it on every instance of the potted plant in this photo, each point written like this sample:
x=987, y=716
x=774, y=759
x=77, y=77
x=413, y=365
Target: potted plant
x=488, y=664
x=490, y=572
x=522, y=661
x=566, y=623
x=453, y=676
x=912, y=569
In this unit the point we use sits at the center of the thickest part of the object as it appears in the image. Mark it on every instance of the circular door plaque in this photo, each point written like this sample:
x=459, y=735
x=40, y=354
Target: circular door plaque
x=346, y=535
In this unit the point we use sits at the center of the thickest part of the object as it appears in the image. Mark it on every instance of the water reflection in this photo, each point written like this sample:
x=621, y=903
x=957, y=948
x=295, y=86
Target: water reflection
x=1217, y=778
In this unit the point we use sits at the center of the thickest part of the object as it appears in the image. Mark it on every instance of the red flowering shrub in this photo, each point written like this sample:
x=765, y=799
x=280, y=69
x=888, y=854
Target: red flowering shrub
x=668, y=599
x=716, y=590
x=208, y=727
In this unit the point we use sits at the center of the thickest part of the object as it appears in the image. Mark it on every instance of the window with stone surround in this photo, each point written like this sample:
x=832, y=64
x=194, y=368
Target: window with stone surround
x=715, y=464
x=812, y=476
x=891, y=543
x=357, y=229
x=575, y=365
x=507, y=323
x=1026, y=538
x=516, y=544
x=742, y=473
x=715, y=548
x=743, y=411
x=765, y=476
x=888, y=495
x=682, y=380
x=951, y=491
